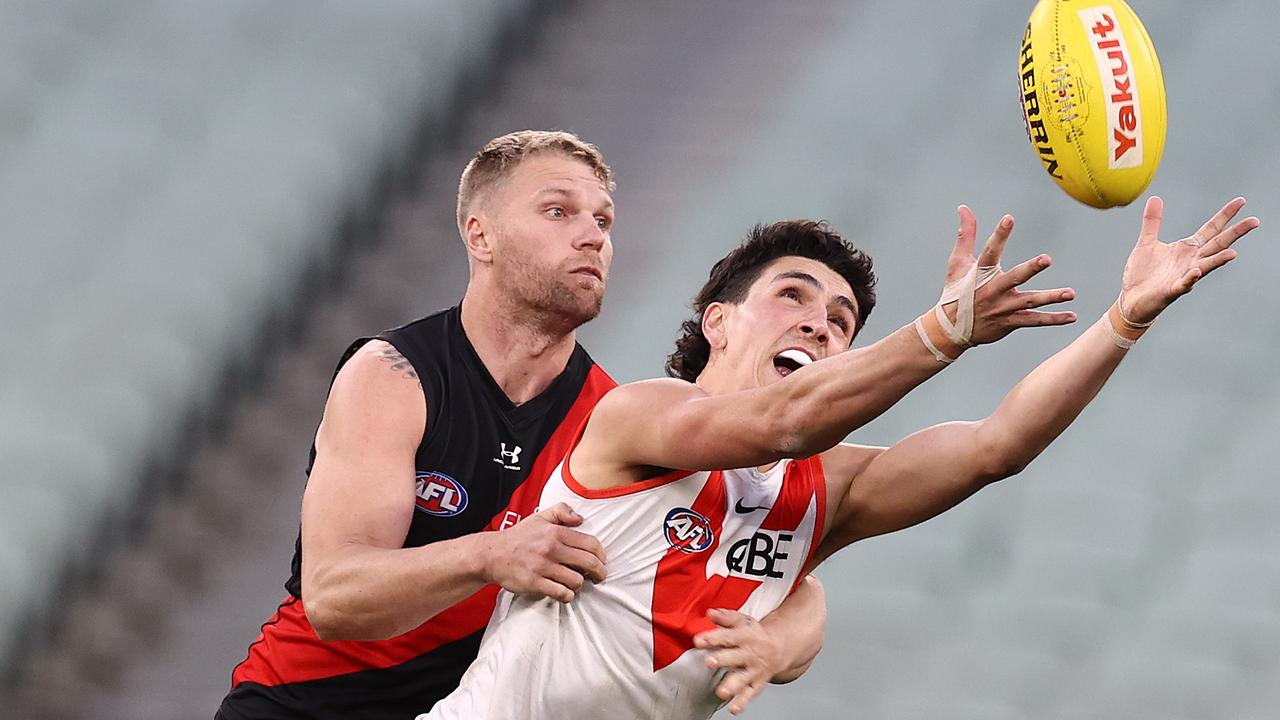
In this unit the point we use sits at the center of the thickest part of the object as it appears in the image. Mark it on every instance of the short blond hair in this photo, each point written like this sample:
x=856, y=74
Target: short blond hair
x=502, y=154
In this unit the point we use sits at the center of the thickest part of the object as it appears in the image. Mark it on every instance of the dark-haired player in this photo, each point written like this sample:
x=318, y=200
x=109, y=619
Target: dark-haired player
x=442, y=430
x=721, y=487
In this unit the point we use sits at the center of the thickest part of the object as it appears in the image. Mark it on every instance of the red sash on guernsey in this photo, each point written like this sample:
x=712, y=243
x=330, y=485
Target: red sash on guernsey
x=288, y=650
x=682, y=592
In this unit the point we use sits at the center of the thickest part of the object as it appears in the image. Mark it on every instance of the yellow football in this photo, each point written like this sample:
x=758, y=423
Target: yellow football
x=1093, y=99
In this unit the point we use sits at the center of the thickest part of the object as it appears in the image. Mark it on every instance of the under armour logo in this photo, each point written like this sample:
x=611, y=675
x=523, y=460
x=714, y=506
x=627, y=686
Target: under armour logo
x=509, y=459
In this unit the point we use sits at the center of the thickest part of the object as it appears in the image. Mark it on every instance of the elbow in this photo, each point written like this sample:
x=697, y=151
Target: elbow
x=793, y=441
x=795, y=434
x=332, y=622
x=787, y=443
x=1001, y=472
x=789, y=423
x=327, y=621
x=330, y=625
x=1013, y=467
x=773, y=436
x=1001, y=457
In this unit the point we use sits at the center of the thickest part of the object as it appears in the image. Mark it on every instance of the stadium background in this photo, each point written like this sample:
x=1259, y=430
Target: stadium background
x=202, y=202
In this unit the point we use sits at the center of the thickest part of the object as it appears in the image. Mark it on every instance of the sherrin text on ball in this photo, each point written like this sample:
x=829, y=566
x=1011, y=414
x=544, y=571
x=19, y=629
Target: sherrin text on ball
x=1093, y=99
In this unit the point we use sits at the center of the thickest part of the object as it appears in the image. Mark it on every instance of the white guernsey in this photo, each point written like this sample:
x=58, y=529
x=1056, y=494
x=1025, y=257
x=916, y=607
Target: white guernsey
x=678, y=545
x=765, y=376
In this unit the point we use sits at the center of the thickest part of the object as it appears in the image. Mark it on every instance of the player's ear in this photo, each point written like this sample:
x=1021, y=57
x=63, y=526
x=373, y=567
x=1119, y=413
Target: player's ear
x=713, y=322
x=477, y=236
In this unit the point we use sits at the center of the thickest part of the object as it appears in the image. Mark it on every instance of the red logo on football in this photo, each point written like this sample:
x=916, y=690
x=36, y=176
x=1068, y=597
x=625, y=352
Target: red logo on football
x=1122, y=106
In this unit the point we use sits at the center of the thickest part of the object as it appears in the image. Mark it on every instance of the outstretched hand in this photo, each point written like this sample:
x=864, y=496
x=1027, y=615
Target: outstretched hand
x=1158, y=273
x=999, y=306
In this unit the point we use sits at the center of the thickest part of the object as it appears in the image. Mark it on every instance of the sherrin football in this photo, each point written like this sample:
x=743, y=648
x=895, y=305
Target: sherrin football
x=1093, y=99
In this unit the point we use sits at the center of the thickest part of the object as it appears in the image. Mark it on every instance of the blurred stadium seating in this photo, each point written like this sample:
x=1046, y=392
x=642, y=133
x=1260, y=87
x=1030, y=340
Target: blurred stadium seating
x=201, y=203
x=172, y=174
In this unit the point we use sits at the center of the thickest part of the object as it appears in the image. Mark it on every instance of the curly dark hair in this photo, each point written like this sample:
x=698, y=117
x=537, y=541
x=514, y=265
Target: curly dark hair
x=731, y=278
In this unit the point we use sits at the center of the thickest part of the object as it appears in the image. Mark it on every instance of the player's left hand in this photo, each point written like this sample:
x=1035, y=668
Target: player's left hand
x=744, y=647
x=1000, y=306
x=1158, y=273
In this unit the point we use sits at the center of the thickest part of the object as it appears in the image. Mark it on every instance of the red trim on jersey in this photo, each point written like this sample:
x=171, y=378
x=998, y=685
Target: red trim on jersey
x=288, y=650
x=818, y=477
x=587, y=493
x=558, y=446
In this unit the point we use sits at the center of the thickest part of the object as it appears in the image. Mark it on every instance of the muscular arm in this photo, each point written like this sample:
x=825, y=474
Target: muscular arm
x=931, y=471
x=800, y=622
x=358, y=581
x=673, y=424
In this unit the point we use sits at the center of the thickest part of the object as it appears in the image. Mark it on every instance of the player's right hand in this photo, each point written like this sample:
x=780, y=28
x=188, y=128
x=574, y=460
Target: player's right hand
x=999, y=306
x=541, y=555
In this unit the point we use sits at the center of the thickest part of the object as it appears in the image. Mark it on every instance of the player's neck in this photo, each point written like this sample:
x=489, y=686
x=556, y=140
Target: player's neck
x=522, y=355
x=718, y=378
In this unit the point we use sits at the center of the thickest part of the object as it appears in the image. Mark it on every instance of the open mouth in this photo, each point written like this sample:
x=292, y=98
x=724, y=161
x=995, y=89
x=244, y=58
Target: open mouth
x=790, y=360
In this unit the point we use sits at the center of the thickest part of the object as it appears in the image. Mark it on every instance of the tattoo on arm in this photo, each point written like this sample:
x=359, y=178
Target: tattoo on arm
x=400, y=364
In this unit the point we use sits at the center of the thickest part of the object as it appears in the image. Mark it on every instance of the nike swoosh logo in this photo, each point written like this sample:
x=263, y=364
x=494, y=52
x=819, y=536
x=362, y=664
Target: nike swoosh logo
x=744, y=510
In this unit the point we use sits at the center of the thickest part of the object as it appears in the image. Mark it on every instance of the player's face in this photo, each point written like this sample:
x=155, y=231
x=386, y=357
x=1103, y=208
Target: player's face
x=798, y=311
x=552, y=248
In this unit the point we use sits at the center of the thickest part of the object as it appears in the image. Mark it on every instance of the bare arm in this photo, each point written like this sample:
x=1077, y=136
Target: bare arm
x=779, y=648
x=673, y=424
x=358, y=581
x=931, y=471
x=801, y=623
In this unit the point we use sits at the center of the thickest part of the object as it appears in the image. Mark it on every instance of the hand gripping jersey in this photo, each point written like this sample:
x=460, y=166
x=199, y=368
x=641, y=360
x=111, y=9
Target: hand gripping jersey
x=676, y=546
x=481, y=466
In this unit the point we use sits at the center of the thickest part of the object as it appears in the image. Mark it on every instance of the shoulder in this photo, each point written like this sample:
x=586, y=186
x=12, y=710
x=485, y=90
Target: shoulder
x=378, y=390
x=377, y=364
x=429, y=343
x=648, y=396
x=637, y=409
x=846, y=461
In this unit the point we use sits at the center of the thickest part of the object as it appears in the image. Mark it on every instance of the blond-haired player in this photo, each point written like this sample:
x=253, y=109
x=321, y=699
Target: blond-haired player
x=438, y=434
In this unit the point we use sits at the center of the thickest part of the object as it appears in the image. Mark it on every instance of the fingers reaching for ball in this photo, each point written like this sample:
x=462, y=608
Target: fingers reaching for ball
x=1158, y=273
x=994, y=249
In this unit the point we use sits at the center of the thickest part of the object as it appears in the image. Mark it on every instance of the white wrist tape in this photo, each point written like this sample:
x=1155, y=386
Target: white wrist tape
x=924, y=337
x=1121, y=324
x=1125, y=319
x=1121, y=341
x=962, y=291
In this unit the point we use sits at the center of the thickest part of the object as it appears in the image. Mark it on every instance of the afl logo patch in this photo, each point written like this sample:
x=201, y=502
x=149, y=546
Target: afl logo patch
x=687, y=531
x=440, y=495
